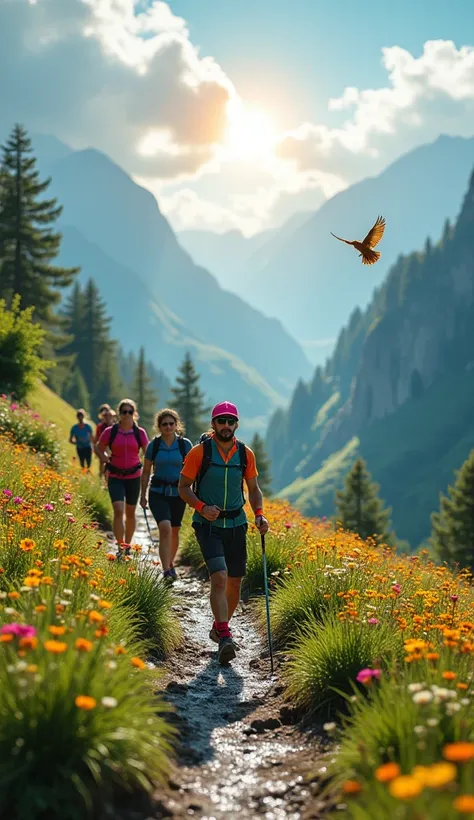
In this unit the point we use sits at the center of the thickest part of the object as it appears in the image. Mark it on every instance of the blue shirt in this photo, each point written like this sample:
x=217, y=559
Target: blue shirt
x=82, y=435
x=168, y=465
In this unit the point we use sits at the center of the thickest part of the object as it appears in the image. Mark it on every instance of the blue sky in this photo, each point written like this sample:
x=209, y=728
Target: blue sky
x=239, y=114
x=295, y=56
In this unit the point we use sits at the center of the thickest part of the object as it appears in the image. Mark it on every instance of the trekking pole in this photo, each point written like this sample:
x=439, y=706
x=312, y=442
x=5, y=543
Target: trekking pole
x=267, y=601
x=148, y=528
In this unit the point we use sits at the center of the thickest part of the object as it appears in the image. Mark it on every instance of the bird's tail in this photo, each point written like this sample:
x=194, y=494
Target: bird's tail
x=369, y=257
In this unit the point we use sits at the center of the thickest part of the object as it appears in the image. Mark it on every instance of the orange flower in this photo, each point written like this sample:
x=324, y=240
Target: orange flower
x=56, y=647
x=435, y=776
x=464, y=804
x=104, y=604
x=32, y=667
x=459, y=752
x=27, y=544
x=405, y=787
x=85, y=702
x=57, y=630
x=101, y=631
x=351, y=787
x=14, y=595
x=387, y=772
x=47, y=580
x=432, y=656
x=449, y=675
x=31, y=581
x=6, y=638
x=120, y=650
x=95, y=617
x=29, y=643
x=84, y=645
x=138, y=663
x=462, y=686
x=40, y=608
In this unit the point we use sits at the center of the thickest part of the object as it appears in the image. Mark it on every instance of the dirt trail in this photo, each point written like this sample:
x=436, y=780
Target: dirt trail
x=240, y=753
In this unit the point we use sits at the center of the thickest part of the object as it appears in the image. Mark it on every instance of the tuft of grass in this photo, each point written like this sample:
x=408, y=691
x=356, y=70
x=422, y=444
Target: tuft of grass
x=148, y=601
x=278, y=551
x=327, y=657
x=96, y=500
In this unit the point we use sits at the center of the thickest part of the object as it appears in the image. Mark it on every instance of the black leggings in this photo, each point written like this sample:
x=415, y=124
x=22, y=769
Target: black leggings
x=84, y=455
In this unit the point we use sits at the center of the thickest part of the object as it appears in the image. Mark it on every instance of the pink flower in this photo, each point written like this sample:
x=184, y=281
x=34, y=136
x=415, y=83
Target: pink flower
x=20, y=630
x=14, y=407
x=67, y=498
x=49, y=507
x=373, y=621
x=288, y=525
x=454, y=598
x=8, y=493
x=366, y=675
x=18, y=500
x=71, y=519
x=324, y=518
x=396, y=588
x=35, y=416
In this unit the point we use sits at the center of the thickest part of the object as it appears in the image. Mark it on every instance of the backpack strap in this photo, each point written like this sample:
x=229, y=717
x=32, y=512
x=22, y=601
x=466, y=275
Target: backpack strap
x=136, y=433
x=243, y=464
x=113, y=433
x=205, y=464
x=156, y=447
x=182, y=447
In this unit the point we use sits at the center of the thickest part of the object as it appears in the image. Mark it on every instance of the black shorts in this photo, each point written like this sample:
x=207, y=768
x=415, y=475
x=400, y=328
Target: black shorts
x=84, y=455
x=223, y=549
x=167, y=508
x=127, y=489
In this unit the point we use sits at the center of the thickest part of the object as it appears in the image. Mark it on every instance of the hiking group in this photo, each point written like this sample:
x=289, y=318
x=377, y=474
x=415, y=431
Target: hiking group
x=208, y=476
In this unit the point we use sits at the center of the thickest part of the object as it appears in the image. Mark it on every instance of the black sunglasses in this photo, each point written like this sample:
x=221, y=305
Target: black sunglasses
x=126, y=412
x=167, y=424
x=226, y=420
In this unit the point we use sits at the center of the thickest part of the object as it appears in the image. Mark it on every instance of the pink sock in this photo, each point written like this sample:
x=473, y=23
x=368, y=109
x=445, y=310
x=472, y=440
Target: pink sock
x=223, y=629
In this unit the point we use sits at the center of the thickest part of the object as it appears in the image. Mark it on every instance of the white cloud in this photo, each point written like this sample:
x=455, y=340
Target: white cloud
x=425, y=96
x=109, y=73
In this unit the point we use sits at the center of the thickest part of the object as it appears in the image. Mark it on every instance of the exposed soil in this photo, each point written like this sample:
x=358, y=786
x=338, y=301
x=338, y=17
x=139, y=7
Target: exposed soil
x=241, y=751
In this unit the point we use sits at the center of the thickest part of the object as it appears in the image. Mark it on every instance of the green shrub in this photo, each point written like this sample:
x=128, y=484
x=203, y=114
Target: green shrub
x=328, y=656
x=21, y=340
x=278, y=551
x=148, y=601
x=25, y=427
x=96, y=500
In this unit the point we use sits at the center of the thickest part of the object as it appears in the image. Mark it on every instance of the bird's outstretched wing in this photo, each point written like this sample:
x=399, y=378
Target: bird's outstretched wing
x=375, y=234
x=340, y=238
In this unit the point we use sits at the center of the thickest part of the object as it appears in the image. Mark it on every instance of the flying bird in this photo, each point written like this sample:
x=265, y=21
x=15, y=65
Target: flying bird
x=369, y=256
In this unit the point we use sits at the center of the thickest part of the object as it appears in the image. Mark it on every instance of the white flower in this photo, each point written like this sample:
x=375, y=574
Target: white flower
x=420, y=730
x=94, y=597
x=64, y=602
x=432, y=722
x=441, y=693
x=465, y=701
x=423, y=697
x=451, y=708
x=68, y=592
x=415, y=687
x=21, y=666
x=9, y=610
x=3, y=595
x=111, y=665
x=329, y=727
x=109, y=703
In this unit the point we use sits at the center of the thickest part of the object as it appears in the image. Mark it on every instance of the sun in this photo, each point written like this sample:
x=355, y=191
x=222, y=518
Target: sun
x=250, y=132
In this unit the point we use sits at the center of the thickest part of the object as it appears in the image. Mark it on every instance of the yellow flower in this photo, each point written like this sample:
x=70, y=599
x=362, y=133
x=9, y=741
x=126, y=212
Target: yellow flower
x=405, y=787
x=85, y=702
x=104, y=604
x=435, y=776
x=57, y=630
x=138, y=663
x=31, y=581
x=56, y=647
x=95, y=617
x=27, y=544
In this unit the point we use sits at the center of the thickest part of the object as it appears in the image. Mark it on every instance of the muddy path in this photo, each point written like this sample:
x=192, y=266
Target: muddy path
x=240, y=752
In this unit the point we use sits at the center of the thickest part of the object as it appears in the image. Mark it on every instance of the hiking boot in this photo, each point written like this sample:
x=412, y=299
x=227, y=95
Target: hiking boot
x=173, y=574
x=168, y=576
x=122, y=552
x=226, y=651
x=213, y=634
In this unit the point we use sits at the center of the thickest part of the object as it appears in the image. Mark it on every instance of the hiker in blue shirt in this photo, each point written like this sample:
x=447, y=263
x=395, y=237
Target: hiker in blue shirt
x=81, y=436
x=166, y=453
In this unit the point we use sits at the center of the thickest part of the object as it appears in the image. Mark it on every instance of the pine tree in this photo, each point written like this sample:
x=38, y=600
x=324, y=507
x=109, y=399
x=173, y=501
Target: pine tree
x=263, y=464
x=358, y=508
x=74, y=390
x=144, y=394
x=452, y=535
x=188, y=399
x=27, y=242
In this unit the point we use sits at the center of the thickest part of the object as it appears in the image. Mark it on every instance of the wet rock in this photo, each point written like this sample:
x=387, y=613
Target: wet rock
x=250, y=730
x=289, y=715
x=262, y=725
x=175, y=686
x=278, y=690
x=173, y=784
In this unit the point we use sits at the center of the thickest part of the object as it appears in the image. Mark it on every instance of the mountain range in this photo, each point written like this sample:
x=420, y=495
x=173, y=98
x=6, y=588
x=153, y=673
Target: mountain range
x=157, y=296
x=304, y=277
x=398, y=390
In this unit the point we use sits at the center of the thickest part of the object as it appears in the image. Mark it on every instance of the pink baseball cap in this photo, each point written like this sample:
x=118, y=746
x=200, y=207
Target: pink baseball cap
x=225, y=408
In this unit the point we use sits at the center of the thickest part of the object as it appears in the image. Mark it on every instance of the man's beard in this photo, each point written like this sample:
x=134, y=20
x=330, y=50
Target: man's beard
x=224, y=436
